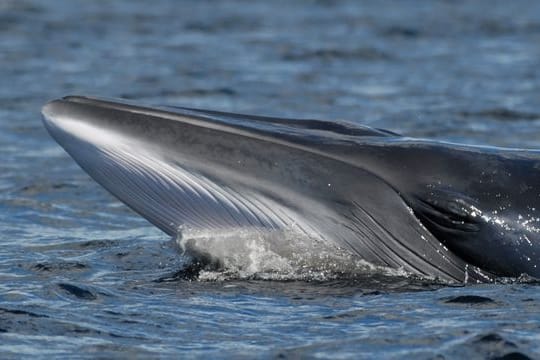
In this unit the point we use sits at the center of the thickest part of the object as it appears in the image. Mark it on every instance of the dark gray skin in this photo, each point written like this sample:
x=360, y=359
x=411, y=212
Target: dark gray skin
x=450, y=211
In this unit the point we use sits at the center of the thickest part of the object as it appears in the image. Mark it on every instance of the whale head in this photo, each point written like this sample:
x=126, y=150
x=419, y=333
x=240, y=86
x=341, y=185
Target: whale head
x=435, y=209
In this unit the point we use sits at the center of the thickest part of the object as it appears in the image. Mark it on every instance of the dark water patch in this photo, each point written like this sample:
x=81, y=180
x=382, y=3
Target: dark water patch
x=134, y=96
x=44, y=187
x=496, y=27
x=512, y=356
x=373, y=293
x=401, y=31
x=190, y=272
x=491, y=345
x=232, y=24
x=78, y=292
x=354, y=314
x=22, y=6
x=61, y=266
x=493, y=338
x=199, y=92
x=501, y=114
x=193, y=92
x=98, y=244
x=111, y=312
x=47, y=326
x=148, y=79
x=495, y=346
x=7, y=21
x=124, y=318
x=469, y=300
x=22, y=312
x=328, y=54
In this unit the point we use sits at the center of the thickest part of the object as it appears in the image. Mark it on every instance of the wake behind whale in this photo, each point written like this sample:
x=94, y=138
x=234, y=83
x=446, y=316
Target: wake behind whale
x=298, y=190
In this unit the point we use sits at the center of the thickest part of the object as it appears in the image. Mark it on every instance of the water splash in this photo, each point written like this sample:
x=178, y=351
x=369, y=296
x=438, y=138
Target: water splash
x=254, y=253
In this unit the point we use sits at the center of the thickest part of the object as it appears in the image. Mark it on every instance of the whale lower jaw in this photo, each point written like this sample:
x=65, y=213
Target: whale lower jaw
x=236, y=231
x=239, y=231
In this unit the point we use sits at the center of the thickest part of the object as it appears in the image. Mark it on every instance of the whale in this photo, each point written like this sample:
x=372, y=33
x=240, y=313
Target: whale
x=454, y=212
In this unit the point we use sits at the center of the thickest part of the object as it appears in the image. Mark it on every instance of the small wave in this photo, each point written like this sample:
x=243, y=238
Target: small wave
x=368, y=54
x=261, y=254
x=401, y=31
x=501, y=114
x=229, y=24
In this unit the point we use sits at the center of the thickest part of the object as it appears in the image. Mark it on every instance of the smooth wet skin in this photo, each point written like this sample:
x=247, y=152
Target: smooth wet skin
x=435, y=209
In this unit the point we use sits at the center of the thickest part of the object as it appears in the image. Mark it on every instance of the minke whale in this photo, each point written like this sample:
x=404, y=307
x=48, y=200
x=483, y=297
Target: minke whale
x=454, y=212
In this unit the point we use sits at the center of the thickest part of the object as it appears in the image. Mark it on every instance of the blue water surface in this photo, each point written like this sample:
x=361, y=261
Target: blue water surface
x=83, y=276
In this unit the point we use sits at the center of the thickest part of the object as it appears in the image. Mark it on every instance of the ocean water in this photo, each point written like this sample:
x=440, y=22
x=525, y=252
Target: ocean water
x=83, y=276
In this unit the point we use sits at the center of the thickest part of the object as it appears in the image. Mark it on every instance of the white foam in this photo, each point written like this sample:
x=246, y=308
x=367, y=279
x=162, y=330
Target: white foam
x=254, y=253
